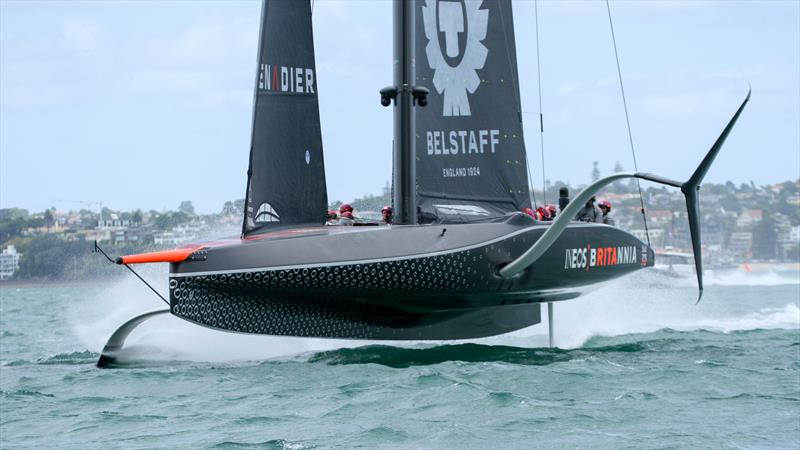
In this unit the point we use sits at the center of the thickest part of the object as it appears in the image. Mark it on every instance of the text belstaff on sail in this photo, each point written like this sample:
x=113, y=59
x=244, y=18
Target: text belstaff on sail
x=296, y=80
x=462, y=142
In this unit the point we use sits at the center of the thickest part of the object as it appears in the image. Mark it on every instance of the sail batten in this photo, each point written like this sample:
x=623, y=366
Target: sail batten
x=286, y=176
x=470, y=148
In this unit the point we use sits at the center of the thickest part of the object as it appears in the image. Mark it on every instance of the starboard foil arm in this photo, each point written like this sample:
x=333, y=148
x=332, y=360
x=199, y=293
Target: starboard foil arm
x=689, y=189
x=117, y=340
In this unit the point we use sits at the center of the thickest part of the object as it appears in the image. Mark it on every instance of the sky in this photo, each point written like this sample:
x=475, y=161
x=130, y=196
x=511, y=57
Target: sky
x=143, y=104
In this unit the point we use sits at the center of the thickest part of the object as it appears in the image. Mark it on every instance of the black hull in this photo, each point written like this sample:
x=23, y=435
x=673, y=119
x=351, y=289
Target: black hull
x=396, y=283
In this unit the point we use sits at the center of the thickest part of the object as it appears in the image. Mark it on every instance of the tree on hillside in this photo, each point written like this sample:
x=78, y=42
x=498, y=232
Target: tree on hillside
x=137, y=217
x=716, y=189
x=334, y=205
x=791, y=211
x=186, y=207
x=387, y=189
x=13, y=213
x=14, y=227
x=789, y=187
x=228, y=209
x=619, y=186
x=731, y=203
x=765, y=239
x=49, y=219
x=171, y=219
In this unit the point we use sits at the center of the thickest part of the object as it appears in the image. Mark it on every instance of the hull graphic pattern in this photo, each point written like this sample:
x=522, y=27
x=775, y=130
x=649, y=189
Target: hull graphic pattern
x=451, y=293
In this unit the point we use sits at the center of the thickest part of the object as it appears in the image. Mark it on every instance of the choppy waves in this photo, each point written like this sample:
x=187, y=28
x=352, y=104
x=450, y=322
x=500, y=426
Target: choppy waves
x=637, y=367
x=400, y=357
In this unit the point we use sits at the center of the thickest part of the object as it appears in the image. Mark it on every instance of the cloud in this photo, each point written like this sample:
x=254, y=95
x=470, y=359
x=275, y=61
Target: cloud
x=568, y=88
x=81, y=35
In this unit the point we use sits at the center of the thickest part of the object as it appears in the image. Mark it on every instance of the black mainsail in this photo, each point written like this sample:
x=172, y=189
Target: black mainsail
x=286, y=175
x=470, y=148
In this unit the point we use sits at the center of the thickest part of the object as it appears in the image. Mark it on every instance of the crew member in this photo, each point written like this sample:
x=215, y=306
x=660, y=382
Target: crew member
x=605, y=207
x=552, y=209
x=346, y=218
x=531, y=213
x=544, y=213
x=590, y=212
x=332, y=219
x=386, y=212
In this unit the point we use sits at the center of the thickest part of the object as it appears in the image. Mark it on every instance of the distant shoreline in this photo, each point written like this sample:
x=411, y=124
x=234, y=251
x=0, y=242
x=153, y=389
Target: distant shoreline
x=43, y=283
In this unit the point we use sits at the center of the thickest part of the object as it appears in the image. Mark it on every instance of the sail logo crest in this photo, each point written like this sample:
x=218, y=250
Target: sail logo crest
x=451, y=20
x=266, y=213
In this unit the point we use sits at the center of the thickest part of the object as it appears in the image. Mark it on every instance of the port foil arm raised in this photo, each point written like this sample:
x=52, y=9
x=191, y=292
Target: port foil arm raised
x=689, y=189
x=117, y=340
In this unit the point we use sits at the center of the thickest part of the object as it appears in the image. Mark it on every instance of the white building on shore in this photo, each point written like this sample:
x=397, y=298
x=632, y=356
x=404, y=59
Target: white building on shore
x=9, y=262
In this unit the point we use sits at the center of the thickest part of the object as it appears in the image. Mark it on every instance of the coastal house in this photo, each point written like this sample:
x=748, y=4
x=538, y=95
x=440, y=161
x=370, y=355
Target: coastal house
x=739, y=245
x=659, y=216
x=9, y=262
x=113, y=223
x=749, y=217
x=794, y=235
x=131, y=236
x=656, y=235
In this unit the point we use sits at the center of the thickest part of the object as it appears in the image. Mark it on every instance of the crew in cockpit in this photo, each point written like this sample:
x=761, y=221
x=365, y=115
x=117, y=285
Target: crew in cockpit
x=333, y=218
x=345, y=207
x=386, y=212
x=552, y=209
x=543, y=212
x=346, y=218
x=605, y=207
x=531, y=213
x=590, y=212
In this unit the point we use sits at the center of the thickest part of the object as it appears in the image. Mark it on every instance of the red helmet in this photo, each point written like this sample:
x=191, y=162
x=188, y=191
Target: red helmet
x=386, y=210
x=544, y=212
x=347, y=214
x=605, y=204
x=345, y=208
x=529, y=212
x=552, y=209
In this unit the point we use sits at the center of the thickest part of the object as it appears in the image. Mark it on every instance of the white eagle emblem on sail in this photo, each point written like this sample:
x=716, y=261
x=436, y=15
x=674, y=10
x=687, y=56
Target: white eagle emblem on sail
x=455, y=82
x=266, y=213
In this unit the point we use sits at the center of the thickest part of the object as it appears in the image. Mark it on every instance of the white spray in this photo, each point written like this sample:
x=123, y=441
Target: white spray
x=641, y=303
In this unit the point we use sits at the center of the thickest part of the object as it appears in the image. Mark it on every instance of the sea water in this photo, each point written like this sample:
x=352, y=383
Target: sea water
x=638, y=365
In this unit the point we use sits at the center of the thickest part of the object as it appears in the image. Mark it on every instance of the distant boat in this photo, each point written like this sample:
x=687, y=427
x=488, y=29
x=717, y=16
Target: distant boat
x=459, y=260
x=676, y=264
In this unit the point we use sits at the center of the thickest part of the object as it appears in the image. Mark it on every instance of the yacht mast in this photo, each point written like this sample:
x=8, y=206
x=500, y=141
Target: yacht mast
x=404, y=174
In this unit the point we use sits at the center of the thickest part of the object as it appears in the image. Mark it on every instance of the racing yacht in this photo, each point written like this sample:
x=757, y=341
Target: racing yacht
x=460, y=260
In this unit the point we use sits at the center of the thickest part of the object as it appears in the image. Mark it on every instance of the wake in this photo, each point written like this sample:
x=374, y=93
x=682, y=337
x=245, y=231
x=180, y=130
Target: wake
x=641, y=303
x=741, y=278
